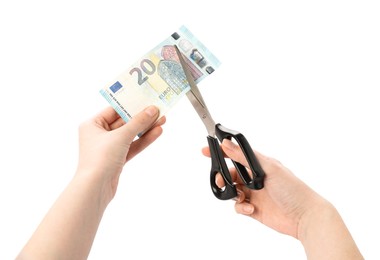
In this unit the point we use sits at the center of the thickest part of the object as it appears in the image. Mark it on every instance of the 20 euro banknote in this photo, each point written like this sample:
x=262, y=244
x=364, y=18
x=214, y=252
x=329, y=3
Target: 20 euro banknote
x=157, y=78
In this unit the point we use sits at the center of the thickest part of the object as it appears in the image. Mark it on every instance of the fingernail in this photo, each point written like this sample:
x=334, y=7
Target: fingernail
x=228, y=144
x=151, y=111
x=248, y=209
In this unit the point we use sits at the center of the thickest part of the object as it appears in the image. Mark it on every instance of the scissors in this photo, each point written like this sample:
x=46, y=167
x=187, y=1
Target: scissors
x=217, y=133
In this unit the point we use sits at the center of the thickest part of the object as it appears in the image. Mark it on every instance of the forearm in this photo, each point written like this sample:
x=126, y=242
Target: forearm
x=69, y=228
x=325, y=236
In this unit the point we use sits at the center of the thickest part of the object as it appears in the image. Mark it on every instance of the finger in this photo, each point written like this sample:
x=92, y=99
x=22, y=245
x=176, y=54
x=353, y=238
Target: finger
x=140, y=122
x=160, y=122
x=107, y=117
x=206, y=152
x=219, y=181
x=240, y=197
x=244, y=208
x=234, y=176
x=117, y=123
x=120, y=122
x=234, y=152
x=246, y=191
x=143, y=142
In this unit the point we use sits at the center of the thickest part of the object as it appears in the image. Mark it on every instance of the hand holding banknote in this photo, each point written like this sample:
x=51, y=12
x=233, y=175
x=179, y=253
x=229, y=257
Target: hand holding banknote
x=106, y=143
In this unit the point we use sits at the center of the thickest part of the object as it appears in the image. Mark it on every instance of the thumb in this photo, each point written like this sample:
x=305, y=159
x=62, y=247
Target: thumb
x=140, y=122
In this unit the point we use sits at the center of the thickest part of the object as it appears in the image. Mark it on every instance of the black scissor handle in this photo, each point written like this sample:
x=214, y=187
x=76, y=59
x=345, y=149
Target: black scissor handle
x=218, y=165
x=257, y=181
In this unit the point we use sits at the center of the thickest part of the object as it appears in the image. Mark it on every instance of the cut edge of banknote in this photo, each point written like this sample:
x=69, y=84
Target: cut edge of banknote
x=201, y=63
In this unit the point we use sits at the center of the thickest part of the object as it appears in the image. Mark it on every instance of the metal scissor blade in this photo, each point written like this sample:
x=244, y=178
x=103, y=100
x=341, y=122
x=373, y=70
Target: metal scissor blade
x=195, y=97
x=203, y=113
x=189, y=77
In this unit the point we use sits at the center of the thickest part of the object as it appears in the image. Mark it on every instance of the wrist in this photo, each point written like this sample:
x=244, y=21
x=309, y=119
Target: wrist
x=324, y=235
x=101, y=187
x=313, y=218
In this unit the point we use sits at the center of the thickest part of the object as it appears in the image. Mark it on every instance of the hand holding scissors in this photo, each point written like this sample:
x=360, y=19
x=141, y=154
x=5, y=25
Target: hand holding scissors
x=216, y=133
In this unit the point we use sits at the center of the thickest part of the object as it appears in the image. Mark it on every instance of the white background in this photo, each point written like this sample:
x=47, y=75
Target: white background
x=299, y=79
